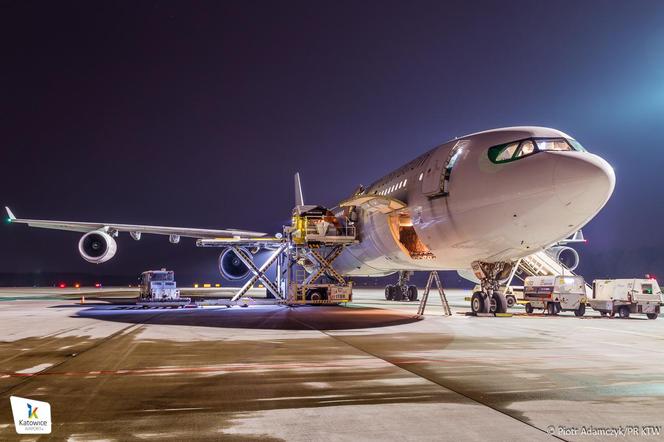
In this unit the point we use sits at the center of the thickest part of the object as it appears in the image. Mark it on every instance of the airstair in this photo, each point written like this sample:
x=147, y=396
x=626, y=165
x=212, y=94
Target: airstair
x=539, y=264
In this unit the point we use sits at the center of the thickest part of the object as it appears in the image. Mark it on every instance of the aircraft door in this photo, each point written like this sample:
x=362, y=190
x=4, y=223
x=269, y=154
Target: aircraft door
x=433, y=172
x=439, y=168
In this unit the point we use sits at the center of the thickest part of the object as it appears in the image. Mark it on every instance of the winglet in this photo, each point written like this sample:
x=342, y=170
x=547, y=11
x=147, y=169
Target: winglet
x=299, y=199
x=10, y=214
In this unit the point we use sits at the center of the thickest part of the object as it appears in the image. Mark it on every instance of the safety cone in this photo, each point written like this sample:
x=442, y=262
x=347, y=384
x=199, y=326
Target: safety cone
x=82, y=299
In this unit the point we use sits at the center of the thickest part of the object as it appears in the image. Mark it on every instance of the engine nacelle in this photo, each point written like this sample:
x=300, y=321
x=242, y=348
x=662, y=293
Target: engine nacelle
x=231, y=267
x=97, y=247
x=565, y=255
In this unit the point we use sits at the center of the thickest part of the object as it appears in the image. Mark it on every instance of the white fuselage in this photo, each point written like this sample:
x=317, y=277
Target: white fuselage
x=492, y=211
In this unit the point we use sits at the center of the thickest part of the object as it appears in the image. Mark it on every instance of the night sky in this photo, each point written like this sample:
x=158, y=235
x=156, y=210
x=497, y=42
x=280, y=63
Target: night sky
x=198, y=113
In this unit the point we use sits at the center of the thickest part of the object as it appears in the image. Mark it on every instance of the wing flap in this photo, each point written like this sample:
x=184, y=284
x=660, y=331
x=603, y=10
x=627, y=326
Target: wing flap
x=265, y=242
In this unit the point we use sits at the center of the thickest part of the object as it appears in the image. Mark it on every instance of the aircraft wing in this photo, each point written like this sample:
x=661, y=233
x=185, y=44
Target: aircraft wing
x=84, y=227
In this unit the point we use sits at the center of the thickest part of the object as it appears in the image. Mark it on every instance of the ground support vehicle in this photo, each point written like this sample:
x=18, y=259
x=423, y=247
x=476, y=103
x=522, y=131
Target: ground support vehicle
x=554, y=294
x=626, y=296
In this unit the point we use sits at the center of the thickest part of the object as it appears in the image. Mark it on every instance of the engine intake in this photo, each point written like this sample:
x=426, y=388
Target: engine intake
x=565, y=255
x=231, y=267
x=97, y=247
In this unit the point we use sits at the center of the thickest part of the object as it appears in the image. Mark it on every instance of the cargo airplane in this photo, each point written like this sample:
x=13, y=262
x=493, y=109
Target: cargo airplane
x=476, y=203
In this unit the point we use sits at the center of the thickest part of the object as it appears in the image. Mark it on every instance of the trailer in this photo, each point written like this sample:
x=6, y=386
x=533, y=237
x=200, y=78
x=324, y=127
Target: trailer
x=626, y=296
x=320, y=293
x=554, y=294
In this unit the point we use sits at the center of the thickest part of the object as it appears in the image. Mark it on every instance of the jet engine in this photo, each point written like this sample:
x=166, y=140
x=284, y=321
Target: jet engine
x=97, y=247
x=231, y=267
x=565, y=255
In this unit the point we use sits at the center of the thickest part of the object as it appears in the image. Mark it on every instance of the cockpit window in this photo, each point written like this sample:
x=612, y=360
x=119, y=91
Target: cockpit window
x=527, y=147
x=558, y=144
x=507, y=153
x=576, y=145
x=523, y=148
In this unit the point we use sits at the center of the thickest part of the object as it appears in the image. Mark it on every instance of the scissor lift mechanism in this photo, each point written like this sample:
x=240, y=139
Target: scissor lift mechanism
x=300, y=242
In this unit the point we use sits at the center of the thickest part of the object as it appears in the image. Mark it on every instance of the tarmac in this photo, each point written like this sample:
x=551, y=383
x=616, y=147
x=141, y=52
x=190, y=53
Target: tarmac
x=371, y=370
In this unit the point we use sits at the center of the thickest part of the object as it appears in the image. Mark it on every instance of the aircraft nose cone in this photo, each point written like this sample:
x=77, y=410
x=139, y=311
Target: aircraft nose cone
x=583, y=183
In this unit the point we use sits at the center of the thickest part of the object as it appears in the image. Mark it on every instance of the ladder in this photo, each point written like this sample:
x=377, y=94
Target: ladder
x=433, y=276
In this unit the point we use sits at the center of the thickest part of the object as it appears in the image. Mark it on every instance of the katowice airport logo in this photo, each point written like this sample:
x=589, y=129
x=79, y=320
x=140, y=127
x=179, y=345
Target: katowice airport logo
x=31, y=416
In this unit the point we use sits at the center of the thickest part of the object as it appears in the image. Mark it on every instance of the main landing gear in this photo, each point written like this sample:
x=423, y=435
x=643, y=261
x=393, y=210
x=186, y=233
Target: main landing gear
x=401, y=291
x=490, y=299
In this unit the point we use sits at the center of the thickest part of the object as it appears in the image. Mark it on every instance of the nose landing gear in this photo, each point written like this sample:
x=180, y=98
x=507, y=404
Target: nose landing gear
x=489, y=299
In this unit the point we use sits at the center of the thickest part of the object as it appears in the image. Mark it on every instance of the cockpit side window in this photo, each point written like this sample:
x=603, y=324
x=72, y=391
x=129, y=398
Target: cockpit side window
x=527, y=147
x=576, y=145
x=516, y=150
x=506, y=152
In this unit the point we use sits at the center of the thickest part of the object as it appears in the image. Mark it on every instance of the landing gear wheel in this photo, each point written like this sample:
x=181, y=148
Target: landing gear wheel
x=581, y=310
x=529, y=308
x=511, y=300
x=624, y=312
x=412, y=293
x=652, y=315
x=551, y=309
x=498, y=303
x=477, y=302
x=389, y=292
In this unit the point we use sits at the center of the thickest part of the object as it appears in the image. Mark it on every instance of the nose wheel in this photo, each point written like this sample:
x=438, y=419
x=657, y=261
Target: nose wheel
x=477, y=302
x=490, y=299
x=496, y=303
